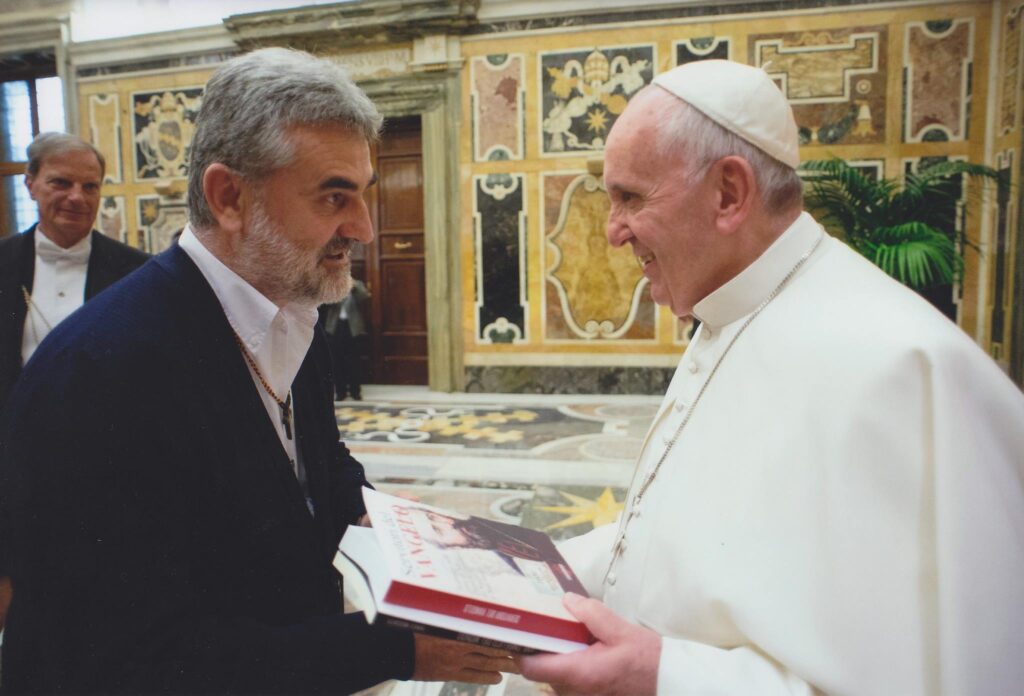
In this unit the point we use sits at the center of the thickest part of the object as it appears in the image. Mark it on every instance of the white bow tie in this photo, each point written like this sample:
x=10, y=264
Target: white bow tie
x=48, y=251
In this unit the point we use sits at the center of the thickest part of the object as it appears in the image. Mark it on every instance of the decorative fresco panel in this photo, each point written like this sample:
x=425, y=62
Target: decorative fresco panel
x=835, y=80
x=159, y=220
x=497, y=97
x=163, y=125
x=111, y=220
x=105, y=132
x=1001, y=301
x=499, y=230
x=937, y=80
x=584, y=91
x=1010, y=70
x=703, y=48
x=592, y=290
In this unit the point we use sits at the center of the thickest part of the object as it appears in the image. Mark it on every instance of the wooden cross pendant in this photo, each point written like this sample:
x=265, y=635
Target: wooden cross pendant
x=287, y=418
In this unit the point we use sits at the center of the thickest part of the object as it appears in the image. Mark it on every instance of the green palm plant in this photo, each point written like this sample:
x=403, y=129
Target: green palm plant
x=906, y=230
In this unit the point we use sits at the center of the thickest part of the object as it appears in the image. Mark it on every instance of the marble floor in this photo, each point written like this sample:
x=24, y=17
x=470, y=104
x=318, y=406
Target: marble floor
x=556, y=463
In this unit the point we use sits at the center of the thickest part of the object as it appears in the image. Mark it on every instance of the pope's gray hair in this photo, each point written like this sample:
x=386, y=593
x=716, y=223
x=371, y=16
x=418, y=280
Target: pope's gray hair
x=702, y=142
x=252, y=101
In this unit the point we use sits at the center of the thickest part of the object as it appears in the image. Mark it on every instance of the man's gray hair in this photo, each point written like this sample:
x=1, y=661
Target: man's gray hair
x=49, y=144
x=249, y=104
x=703, y=142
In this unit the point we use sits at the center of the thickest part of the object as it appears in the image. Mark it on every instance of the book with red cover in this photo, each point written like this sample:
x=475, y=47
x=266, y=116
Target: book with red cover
x=459, y=576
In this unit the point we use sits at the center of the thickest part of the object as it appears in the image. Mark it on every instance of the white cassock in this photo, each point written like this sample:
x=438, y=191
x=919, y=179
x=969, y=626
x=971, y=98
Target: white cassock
x=844, y=510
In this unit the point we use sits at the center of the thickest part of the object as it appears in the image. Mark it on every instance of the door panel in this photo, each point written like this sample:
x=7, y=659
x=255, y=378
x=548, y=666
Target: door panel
x=394, y=261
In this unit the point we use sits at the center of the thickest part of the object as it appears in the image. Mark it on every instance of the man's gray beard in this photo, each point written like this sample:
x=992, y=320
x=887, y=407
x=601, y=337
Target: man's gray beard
x=285, y=272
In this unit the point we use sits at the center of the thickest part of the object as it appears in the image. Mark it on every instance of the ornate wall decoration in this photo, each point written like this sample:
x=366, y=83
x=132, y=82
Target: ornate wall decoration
x=1010, y=70
x=499, y=235
x=164, y=122
x=593, y=291
x=702, y=48
x=105, y=132
x=583, y=92
x=111, y=219
x=158, y=220
x=834, y=79
x=497, y=98
x=1001, y=300
x=937, y=80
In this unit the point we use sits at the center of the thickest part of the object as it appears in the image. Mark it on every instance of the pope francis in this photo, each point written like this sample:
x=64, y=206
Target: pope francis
x=830, y=498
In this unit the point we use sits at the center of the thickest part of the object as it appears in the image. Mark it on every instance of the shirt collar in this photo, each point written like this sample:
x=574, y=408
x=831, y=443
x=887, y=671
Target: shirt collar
x=49, y=250
x=742, y=294
x=277, y=338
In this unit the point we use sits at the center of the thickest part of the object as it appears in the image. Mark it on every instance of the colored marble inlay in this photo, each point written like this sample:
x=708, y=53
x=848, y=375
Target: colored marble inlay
x=835, y=80
x=163, y=125
x=110, y=219
x=594, y=289
x=105, y=132
x=937, y=64
x=1001, y=302
x=1010, y=69
x=499, y=228
x=158, y=221
x=583, y=93
x=703, y=48
x=468, y=426
x=497, y=98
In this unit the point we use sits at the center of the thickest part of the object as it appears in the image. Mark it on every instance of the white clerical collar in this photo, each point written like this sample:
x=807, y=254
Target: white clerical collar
x=277, y=338
x=50, y=251
x=742, y=294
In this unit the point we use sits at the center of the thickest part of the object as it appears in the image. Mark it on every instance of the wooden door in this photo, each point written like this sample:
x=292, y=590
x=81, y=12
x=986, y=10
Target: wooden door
x=395, y=268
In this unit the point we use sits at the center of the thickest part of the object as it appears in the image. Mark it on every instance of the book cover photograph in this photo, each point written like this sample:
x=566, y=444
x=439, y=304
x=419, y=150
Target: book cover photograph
x=460, y=576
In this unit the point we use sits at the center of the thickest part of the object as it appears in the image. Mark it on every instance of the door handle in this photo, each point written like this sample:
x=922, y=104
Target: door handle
x=401, y=246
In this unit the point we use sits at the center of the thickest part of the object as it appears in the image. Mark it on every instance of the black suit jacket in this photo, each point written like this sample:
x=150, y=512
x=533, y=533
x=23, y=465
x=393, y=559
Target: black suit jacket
x=109, y=261
x=160, y=541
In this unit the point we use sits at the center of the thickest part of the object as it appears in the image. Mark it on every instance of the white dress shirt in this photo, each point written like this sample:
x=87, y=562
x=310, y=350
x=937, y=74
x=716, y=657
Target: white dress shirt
x=277, y=338
x=58, y=288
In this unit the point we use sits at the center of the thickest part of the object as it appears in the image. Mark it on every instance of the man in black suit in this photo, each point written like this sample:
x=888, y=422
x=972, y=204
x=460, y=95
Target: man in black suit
x=73, y=261
x=64, y=176
x=173, y=480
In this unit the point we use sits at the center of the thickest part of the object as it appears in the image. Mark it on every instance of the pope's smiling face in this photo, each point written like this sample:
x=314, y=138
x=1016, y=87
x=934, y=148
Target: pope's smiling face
x=665, y=215
x=66, y=190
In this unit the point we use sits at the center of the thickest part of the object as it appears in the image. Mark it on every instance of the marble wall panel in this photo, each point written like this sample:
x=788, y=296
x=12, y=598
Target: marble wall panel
x=937, y=65
x=584, y=91
x=835, y=80
x=158, y=220
x=105, y=132
x=1010, y=70
x=162, y=129
x=592, y=290
x=703, y=48
x=111, y=219
x=499, y=229
x=1001, y=300
x=498, y=97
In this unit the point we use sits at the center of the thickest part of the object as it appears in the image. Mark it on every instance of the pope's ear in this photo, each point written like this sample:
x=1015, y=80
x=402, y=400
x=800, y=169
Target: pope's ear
x=737, y=189
x=223, y=188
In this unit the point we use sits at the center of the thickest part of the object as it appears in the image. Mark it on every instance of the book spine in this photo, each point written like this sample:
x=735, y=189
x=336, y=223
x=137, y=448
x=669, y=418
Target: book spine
x=486, y=612
x=449, y=634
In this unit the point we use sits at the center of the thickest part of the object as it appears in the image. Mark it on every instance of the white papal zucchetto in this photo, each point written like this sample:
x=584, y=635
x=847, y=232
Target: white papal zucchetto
x=740, y=98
